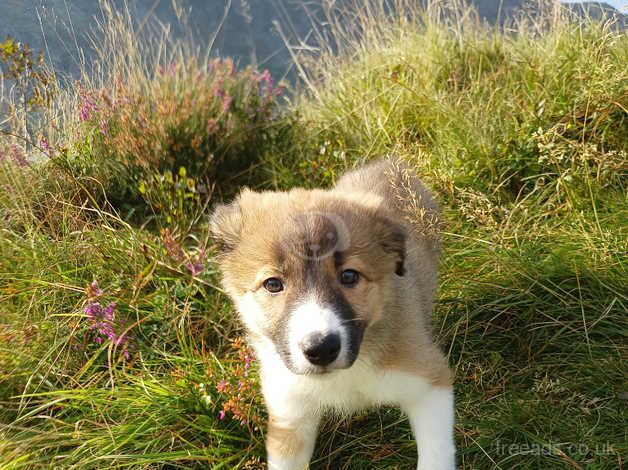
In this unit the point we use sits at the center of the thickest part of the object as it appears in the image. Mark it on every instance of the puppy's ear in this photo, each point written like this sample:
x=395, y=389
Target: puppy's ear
x=393, y=240
x=225, y=225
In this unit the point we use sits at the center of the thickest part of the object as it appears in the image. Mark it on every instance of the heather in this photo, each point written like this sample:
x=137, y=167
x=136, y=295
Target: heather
x=118, y=347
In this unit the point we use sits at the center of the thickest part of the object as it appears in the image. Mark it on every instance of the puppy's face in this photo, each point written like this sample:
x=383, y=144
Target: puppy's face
x=308, y=270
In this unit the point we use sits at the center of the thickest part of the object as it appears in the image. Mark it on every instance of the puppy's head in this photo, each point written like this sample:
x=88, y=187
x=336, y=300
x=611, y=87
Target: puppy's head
x=309, y=270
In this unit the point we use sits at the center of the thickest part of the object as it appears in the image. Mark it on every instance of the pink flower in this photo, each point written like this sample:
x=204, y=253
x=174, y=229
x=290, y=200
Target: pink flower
x=264, y=76
x=93, y=290
x=222, y=386
x=17, y=154
x=219, y=92
x=195, y=266
x=45, y=146
x=87, y=104
x=104, y=127
x=226, y=102
x=102, y=321
x=221, y=415
x=88, y=107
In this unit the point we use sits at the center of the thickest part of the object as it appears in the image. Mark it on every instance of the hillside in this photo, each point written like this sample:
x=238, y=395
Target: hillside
x=248, y=33
x=118, y=348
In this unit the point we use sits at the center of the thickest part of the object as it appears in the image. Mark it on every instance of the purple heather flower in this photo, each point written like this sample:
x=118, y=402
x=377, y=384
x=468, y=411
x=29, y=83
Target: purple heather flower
x=221, y=386
x=88, y=106
x=268, y=80
x=109, y=310
x=247, y=360
x=17, y=154
x=195, y=266
x=92, y=310
x=226, y=102
x=101, y=319
x=219, y=92
x=104, y=127
x=93, y=290
x=264, y=76
x=45, y=146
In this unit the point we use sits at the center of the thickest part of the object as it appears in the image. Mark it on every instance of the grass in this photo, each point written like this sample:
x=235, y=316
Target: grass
x=523, y=135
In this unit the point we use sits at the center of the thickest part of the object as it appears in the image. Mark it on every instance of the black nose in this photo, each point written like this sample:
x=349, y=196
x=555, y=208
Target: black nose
x=320, y=349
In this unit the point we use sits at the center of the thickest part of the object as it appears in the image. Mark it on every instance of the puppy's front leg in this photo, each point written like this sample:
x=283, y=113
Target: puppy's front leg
x=290, y=441
x=432, y=420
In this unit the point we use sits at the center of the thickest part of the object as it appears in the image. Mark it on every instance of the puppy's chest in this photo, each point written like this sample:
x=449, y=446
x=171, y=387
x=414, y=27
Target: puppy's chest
x=366, y=387
x=351, y=390
x=359, y=387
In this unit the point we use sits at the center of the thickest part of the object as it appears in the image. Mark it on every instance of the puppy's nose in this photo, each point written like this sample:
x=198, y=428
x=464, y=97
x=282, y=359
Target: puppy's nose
x=321, y=349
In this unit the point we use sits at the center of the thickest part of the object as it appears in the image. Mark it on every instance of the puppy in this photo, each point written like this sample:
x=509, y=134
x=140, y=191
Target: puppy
x=335, y=288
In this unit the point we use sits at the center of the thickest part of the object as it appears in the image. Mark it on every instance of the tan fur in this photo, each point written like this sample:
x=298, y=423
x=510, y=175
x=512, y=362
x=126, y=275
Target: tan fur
x=282, y=440
x=403, y=336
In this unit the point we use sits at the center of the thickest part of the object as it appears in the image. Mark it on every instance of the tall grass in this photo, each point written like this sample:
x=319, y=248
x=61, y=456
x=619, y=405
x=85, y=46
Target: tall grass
x=521, y=132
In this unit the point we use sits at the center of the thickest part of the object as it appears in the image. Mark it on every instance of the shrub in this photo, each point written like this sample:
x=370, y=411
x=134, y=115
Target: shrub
x=209, y=119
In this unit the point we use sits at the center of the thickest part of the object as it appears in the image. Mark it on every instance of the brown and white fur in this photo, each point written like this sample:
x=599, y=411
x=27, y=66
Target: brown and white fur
x=344, y=322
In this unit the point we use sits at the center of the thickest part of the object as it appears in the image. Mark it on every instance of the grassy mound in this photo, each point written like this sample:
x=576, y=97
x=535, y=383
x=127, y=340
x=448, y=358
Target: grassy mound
x=117, y=347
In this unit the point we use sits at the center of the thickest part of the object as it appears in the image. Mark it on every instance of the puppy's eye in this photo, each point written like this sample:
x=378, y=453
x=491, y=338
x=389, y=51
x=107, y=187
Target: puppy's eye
x=273, y=285
x=349, y=277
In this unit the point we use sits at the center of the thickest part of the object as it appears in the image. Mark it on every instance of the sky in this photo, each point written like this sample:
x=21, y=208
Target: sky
x=621, y=5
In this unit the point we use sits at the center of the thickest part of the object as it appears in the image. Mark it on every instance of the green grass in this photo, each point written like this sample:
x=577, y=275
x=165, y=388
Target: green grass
x=524, y=137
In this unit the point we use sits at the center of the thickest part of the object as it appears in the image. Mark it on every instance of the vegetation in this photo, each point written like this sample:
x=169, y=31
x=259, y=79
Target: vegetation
x=118, y=348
